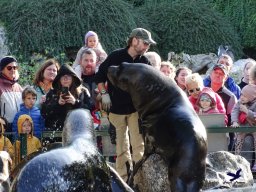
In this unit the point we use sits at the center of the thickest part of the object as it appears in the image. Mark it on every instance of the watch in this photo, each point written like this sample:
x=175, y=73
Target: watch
x=103, y=91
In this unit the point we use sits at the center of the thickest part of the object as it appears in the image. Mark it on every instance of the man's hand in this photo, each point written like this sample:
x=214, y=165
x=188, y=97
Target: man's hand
x=106, y=102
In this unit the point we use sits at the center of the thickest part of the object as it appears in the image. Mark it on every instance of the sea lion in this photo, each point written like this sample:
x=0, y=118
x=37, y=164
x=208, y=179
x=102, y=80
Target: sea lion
x=77, y=166
x=170, y=126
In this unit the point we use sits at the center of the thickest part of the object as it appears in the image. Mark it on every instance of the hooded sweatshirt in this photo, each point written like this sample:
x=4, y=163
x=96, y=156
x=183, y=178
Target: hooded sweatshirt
x=35, y=114
x=211, y=95
x=54, y=113
x=33, y=143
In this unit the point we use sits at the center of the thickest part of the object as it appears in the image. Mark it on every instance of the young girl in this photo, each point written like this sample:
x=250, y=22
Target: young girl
x=206, y=103
x=244, y=113
x=25, y=125
x=91, y=40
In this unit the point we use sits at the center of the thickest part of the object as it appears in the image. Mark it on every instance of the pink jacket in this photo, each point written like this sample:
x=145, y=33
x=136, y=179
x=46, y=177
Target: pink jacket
x=219, y=103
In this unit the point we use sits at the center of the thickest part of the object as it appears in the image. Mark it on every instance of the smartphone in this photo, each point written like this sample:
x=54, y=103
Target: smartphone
x=64, y=90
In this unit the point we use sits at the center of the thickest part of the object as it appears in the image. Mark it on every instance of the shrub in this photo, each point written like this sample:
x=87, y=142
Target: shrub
x=192, y=27
x=34, y=25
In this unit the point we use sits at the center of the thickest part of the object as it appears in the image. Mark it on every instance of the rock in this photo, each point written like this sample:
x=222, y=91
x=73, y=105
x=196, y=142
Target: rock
x=221, y=163
x=195, y=62
x=153, y=176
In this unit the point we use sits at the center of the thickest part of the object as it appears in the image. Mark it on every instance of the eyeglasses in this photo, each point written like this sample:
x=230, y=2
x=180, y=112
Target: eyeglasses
x=9, y=68
x=194, y=90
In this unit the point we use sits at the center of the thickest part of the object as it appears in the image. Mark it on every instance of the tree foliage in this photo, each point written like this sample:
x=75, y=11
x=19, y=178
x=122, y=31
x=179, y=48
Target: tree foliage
x=34, y=26
x=191, y=27
x=243, y=16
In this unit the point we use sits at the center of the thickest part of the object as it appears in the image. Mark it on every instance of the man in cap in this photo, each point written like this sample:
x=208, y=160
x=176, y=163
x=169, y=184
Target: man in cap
x=10, y=90
x=226, y=59
x=218, y=77
x=122, y=114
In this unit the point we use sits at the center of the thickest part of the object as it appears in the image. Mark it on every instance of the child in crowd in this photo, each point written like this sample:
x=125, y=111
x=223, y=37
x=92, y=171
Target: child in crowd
x=244, y=113
x=154, y=59
x=206, y=103
x=91, y=40
x=5, y=143
x=25, y=126
x=29, y=96
x=168, y=69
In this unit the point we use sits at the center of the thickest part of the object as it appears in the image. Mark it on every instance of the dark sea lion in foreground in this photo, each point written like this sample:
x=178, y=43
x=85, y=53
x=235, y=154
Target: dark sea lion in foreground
x=171, y=128
x=77, y=166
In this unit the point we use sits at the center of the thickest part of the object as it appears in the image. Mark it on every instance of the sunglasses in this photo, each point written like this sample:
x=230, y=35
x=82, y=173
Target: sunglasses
x=9, y=68
x=194, y=90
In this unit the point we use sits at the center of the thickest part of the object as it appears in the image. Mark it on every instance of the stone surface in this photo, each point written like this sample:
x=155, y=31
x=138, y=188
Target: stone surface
x=220, y=164
x=153, y=176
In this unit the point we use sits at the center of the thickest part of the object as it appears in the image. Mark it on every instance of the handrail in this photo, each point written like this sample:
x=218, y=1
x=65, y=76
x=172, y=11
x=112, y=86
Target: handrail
x=243, y=129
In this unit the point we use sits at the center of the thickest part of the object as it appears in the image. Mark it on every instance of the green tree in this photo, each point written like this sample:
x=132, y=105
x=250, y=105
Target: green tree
x=34, y=26
x=243, y=16
x=190, y=26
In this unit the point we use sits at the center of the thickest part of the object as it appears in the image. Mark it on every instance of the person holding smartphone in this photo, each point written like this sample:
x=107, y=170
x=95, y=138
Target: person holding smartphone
x=67, y=94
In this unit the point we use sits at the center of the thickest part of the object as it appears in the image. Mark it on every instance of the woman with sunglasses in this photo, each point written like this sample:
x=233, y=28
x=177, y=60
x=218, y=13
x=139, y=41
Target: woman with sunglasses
x=195, y=86
x=10, y=90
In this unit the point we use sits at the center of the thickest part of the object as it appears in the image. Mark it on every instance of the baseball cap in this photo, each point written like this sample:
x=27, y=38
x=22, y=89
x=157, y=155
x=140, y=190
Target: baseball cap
x=143, y=34
x=222, y=67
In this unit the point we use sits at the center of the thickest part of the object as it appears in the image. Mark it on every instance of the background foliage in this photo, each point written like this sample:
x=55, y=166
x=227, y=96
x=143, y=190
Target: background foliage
x=52, y=27
x=191, y=27
x=34, y=26
x=242, y=14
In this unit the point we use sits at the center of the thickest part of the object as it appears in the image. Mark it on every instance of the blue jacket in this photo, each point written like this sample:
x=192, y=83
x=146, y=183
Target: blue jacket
x=229, y=84
x=35, y=114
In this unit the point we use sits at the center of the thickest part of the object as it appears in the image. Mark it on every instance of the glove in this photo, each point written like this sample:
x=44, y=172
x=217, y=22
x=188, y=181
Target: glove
x=106, y=102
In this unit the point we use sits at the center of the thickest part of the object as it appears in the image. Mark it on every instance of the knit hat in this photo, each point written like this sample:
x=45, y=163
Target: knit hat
x=249, y=91
x=143, y=34
x=5, y=61
x=89, y=34
x=21, y=120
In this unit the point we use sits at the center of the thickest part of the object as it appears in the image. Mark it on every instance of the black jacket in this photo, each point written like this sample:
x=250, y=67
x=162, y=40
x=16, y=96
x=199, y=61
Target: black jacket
x=121, y=100
x=55, y=114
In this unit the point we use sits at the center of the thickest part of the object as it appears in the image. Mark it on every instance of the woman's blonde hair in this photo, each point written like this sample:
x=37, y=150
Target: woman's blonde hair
x=194, y=78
